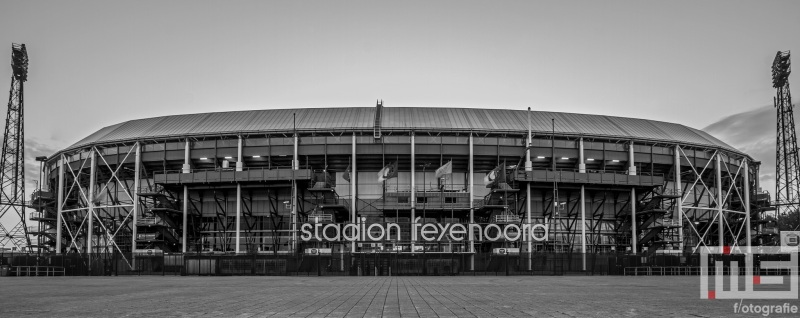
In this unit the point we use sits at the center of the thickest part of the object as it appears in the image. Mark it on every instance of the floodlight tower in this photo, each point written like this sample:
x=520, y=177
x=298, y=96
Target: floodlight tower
x=787, y=174
x=12, y=167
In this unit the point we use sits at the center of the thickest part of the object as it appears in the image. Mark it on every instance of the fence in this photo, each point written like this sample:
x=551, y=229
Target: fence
x=352, y=264
x=99, y=264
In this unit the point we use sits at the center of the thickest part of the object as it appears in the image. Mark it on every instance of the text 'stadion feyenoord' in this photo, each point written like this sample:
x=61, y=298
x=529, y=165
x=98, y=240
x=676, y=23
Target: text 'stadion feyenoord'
x=781, y=281
x=361, y=232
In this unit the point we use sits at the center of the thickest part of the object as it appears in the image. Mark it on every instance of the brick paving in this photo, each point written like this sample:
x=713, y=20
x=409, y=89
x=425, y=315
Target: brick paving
x=488, y=296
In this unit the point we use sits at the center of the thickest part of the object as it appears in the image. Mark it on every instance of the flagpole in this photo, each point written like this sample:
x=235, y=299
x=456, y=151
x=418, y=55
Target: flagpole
x=383, y=195
x=553, y=145
x=451, y=187
x=555, y=183
x=450, y=241
x=383, y=184
x=528, y=169
x=397, y=189
x=441, y=187
x=353, y=189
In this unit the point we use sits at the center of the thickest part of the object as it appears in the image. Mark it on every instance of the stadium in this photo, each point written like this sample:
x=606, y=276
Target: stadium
x=393, y=190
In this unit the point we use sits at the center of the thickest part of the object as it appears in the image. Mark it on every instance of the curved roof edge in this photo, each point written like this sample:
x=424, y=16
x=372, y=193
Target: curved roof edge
x=401, y=118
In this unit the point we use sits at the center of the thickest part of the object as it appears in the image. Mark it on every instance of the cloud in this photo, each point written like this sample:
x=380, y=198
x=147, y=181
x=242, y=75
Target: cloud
x=752, y=132
x=35, y=148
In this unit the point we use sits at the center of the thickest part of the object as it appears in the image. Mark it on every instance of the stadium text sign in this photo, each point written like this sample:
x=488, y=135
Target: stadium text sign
x=429, y=232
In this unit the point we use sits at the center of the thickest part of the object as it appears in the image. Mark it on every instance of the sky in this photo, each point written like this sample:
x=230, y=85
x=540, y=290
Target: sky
x=98, y=63
x=753, y=132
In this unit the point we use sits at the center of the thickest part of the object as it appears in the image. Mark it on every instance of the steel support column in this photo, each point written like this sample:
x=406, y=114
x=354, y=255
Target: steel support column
x=583, y=225
x=353, y=181
x=471, y=203
x=747, y=203
x=184, y=242
x=634, y=236
x=60, y=202
x=136, y=175
x=631, y=163
x=90, y=210
x=528, y=221
x=528, y=168
x=295, y=158
x=581, y=160
x=718, y=185
x=679, y=192
x=240, y=161
x=413, y=190
x=239, y=217
x=295, y=167
x=186, y=165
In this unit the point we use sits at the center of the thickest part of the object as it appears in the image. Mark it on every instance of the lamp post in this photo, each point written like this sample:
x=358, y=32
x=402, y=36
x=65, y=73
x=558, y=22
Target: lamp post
x=41, y=161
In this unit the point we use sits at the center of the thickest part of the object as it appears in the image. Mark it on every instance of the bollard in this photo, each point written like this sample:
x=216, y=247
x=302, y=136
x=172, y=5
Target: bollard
x=506, y=262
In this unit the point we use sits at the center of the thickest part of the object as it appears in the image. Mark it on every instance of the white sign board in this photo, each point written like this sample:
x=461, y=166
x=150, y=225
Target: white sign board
x=506, y=251
x=790, y=240
x=148, y=252
x=318, y=251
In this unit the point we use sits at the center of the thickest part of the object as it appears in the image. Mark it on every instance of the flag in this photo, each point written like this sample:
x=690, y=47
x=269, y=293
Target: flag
x=490, y=177
x=346, y=175
x=388, y=172
x=326, y=176
x=447, y=168
x=497, y=175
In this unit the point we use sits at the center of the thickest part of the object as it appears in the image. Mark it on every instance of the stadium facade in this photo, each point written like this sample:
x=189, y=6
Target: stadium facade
x=400, y=181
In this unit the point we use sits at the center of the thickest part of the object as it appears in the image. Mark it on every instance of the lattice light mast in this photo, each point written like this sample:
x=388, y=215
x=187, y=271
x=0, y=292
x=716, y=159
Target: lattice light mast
x=12, y=176
x=787, y=174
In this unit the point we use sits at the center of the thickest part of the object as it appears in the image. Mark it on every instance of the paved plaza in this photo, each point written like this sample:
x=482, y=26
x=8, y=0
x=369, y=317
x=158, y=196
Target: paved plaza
x=487, y=296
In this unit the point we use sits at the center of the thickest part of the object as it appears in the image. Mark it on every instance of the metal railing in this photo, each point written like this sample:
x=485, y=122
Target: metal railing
x=41, y=194
x=620, y=172
x=320, y=218
x=576, y=176
x=667, y=223
x=506, y=218
x=344, y=263
x=218, y=169
x=151, y=220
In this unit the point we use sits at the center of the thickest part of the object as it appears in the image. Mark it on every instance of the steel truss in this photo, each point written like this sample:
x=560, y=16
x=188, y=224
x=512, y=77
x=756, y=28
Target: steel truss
x=708, y=192
x=97, y=207
x=261, y=223
x=787, y=164
x=12, y=167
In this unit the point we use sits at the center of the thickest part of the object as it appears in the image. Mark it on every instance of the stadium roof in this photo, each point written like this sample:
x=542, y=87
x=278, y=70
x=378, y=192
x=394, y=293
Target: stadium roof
x=400, y=118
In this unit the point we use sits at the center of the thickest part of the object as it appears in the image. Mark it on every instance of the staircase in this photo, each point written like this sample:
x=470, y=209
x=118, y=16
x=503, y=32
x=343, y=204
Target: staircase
x=652, y=226
x=44, y=204
x=161, y=226
x=376, y=130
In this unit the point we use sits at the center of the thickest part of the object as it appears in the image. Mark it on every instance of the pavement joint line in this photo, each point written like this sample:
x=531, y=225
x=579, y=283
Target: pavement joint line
x=404, y=296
